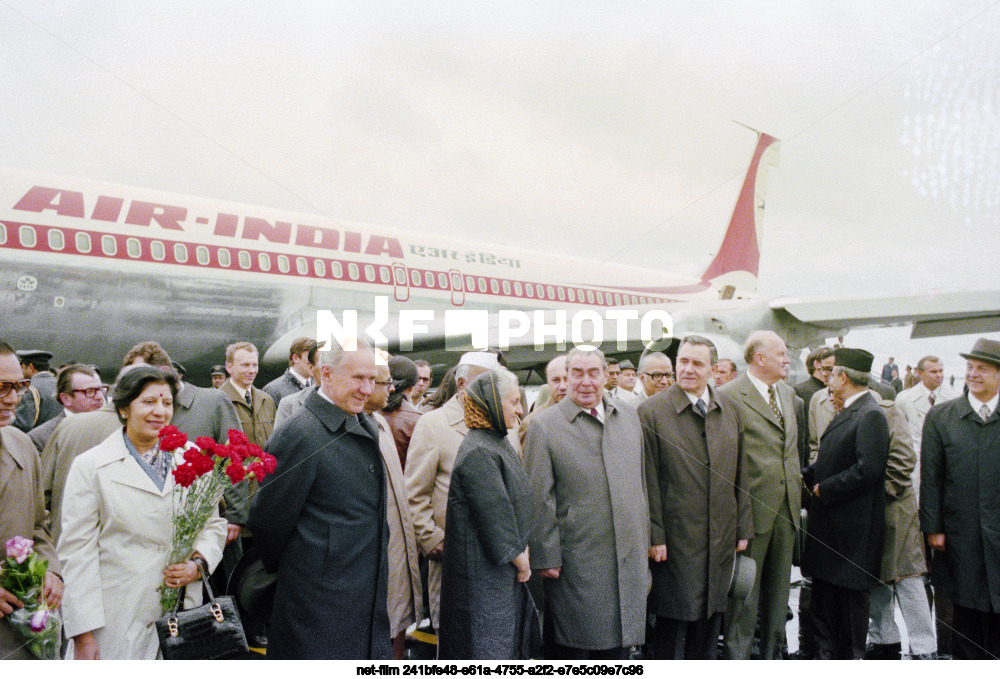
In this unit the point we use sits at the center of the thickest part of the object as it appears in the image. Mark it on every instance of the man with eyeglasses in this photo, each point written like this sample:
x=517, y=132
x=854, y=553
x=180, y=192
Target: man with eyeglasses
x=819, y=362
x=80, y=390
x=423, y=381
x=39, y=404
x=657, y=374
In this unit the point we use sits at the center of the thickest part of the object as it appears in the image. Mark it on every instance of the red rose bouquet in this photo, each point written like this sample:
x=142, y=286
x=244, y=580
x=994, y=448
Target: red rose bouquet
x=207, y=469
x=22, y=574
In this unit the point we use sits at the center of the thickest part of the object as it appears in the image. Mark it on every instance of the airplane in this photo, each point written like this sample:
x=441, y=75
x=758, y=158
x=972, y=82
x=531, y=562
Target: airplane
x=91, y=268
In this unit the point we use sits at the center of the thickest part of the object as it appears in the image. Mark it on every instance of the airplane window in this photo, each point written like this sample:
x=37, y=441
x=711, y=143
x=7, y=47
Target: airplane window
x=336, y=269
x=180, y=252
x=369, y=273
x=320, y=267
x=470, y=283
x=506, y=287
x=561, y=293
x=529, y=289
x=384, y=275
x=551, y=292
x=263, y=261
x=244, y=258
x=415, y=278
x=352, y=271
x=201, y=253
x=28, y=236
x=600, y=297
x=571, y=294
x=428, y=279
x=283, y=265
x=82, y=241
x=400, y=276
x=109, y=245
x=133, y=247
x=224, y=258
x=518, y=290
x=442, y=281
x=157, y=250
x=456, y=282
x=590, y=296
x=482, y=284
x=3, y=235
x=301, y=265
x=494, y=286
x=56, y=239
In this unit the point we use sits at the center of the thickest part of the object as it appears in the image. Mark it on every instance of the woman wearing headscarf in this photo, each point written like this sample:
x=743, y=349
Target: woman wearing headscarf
x=486, y=610
x=399, y=412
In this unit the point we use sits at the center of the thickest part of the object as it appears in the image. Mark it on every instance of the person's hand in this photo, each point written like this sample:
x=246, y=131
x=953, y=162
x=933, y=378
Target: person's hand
x=85, y=647
x=551, y=573
x=232, y=532
x=936, y=541
x=437, y=554
x=8, y=602
x=816, y=490
x=523, y=568
x=53, y=590
x=741, y=545
x=658, y=553
x=178, y=575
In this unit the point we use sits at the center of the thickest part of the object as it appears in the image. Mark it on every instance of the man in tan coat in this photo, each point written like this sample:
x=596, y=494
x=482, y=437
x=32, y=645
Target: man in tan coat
x=429, y=462
x=22, y=505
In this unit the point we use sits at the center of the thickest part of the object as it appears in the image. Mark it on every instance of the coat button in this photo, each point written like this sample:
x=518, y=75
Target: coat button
x=371, y=468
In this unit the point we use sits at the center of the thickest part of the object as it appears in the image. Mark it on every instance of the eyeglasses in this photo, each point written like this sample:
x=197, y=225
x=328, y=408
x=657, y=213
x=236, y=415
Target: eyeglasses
x=20, y=387
x=659, y=376
x=91, y=392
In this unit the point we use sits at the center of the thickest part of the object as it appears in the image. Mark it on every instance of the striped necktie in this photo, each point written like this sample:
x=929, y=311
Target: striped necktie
x=700, y=405
x=984, y=412
x=774, y=405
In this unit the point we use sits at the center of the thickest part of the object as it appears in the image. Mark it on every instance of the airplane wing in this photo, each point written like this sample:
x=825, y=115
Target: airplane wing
x=932, y=315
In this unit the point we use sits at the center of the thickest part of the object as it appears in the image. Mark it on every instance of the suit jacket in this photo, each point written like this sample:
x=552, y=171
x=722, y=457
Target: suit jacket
x=257, y=423
x=773, y=465
x=695, y=468
x=592, y=521
x=290, y=404
x=40, y=434
x=282, y=386
x=960, y=475
x=405, y=593
x=48, y=405
x=22, y=512
x=320, y=522
x=116, y=539
x=846, y=522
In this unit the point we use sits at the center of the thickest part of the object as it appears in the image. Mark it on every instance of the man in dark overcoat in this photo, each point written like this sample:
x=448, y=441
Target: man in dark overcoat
x=699, y=514
x=960, y=503
x=843, y=550
x=320, y=521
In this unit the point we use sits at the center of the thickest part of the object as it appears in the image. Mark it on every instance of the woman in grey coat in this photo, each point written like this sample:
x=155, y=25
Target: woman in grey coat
x=486, y=610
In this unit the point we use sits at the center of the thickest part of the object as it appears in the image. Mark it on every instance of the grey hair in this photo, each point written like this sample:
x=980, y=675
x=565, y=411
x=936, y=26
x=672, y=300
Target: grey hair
x=644, y=361
x=507, y=382
x=586, y=350
x=855, y=377
x=337, y=354
x=700, y=341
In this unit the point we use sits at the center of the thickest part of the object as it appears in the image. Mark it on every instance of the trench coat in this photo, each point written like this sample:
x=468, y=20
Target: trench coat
x=405, y=592
x=320, y=522
x=22, y=512
x=960, y=497
x=695, y=468
x=489, y=521
x=846, y=521
x=115, y=543
x=591, y=520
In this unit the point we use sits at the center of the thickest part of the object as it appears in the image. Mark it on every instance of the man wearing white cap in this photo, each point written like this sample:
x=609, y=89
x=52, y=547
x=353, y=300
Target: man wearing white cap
x=429, y=461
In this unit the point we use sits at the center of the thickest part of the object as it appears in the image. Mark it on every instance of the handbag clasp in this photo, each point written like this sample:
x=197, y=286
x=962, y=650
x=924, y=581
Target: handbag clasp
x=172, y=626
x=217, y=612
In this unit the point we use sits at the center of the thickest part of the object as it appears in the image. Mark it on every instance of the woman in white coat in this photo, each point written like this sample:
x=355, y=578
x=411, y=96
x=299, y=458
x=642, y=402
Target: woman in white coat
x=117, y=529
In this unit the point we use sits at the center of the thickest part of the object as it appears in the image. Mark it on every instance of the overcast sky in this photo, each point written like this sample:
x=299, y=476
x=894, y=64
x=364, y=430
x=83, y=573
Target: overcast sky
x=596, y=129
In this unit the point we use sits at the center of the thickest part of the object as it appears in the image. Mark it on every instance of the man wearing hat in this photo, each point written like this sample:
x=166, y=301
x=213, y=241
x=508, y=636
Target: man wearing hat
x=626, y=384
x=218, y=376
x=959, y=507
x=39, y=404
x=429, y=461
x=843, y=552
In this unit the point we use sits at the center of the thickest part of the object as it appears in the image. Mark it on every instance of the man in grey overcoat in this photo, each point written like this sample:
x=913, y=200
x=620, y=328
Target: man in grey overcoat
x=591, y=541
x=960, y=503
x=699, y=510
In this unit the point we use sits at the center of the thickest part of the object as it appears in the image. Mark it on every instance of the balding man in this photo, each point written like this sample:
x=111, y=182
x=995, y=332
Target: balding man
x=656, y=373
x=770, y=441
x=555, y=380
x=429, y=461
x=79, y=390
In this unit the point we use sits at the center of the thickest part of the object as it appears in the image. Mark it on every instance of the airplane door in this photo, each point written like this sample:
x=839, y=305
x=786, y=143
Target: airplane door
x=401, y=282
x=457, y=287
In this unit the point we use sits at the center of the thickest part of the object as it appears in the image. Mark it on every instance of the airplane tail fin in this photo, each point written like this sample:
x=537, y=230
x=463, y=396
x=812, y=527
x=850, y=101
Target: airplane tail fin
x=735, y=265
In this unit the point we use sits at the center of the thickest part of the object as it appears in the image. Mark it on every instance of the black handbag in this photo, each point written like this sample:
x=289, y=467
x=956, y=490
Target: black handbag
x=209, y=632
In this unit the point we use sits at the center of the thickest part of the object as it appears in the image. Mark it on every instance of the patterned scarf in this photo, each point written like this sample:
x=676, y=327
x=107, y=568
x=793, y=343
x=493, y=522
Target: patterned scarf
x=483, y=405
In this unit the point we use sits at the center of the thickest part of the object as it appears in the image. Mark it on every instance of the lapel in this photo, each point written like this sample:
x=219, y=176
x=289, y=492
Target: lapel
x=12, y=457
x=847, y=414
x=123, y=469
x=332, y=417
x=454, y=411
x=185, y=399
x=753, y=400
x=232, y=394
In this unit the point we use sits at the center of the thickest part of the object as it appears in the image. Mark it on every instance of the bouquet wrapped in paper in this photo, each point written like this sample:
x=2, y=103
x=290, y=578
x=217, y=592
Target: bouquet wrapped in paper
x=199, y=482
x=23, y=575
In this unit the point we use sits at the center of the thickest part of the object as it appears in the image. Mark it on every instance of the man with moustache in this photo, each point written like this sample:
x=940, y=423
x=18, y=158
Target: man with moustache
x=591, y=538
x=771, y=444
x=320, y=521
x=699, y=515
x=959, y=511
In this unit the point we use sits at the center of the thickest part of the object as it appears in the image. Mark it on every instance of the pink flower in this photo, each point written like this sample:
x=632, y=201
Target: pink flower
x=39, y=620
x=19, y=548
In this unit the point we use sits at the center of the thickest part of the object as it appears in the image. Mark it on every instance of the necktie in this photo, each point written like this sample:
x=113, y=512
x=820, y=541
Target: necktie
x=774, y=405
x=700, y=405
x=248, y=399
x=984, y=412
x=593, y=413
x=931, y=398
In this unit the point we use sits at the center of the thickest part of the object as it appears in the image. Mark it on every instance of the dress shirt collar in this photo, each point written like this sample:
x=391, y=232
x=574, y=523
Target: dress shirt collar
x=239, y=390
x=854, y=398
x=705, y=396
x=977, y=404
x=303, y=381
x=761, y=387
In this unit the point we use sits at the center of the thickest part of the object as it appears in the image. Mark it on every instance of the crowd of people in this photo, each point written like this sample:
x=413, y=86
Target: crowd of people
x=651, y=511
